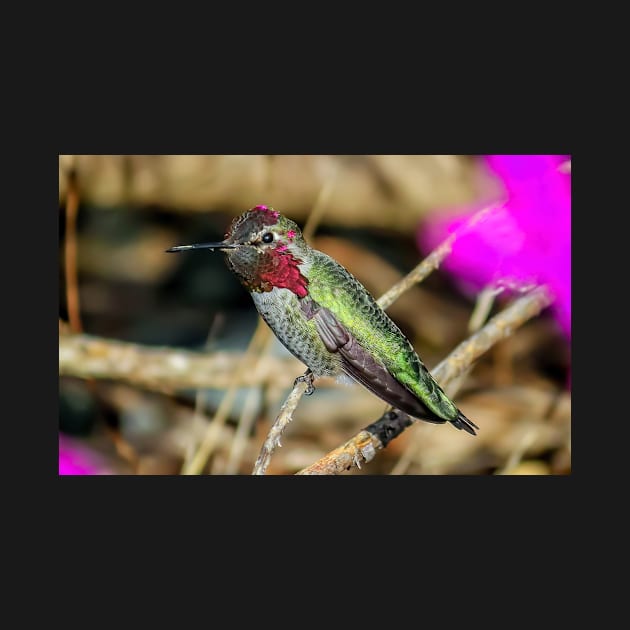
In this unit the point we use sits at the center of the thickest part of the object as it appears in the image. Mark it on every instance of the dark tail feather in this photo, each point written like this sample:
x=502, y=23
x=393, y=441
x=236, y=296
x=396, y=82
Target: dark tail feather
x=462, y=422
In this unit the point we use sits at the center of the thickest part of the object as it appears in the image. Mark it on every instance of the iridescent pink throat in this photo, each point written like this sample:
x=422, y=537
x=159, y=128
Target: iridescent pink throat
x=279, y=268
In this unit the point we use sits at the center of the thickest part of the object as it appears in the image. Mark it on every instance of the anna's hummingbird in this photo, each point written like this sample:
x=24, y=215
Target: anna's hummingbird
x=325, y=316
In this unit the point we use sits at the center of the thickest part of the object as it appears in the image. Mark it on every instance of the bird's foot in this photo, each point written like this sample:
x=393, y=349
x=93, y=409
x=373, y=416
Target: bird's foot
x=307, y=378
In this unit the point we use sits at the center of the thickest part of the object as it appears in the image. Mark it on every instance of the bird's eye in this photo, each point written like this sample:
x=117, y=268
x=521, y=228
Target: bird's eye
x=267, y=237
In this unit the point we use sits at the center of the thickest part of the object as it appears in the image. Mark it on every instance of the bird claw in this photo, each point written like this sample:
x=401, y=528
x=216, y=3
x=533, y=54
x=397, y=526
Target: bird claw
x=307, y=378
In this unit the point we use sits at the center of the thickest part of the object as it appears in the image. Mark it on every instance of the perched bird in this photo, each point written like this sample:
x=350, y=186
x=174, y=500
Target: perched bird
x=326, y=317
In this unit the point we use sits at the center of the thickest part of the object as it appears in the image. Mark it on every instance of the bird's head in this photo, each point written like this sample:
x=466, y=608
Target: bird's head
x=264, y=248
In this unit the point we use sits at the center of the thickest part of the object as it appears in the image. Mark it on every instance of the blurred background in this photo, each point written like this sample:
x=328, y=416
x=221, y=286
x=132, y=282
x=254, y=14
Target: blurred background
x=166, y=369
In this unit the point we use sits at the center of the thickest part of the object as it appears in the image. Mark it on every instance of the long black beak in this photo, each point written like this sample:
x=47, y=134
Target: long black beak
x=210, y=246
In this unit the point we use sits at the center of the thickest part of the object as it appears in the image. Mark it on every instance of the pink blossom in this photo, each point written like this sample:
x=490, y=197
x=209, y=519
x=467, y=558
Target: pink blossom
x=527, y=241
x=77, y=459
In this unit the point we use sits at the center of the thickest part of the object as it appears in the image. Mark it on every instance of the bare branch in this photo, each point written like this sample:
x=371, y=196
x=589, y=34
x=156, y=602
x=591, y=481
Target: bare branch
x=362, y=447
x=479, y=316
x=432, y=261
x=499, y=327
x=206, y=447
x=164, y=369
x=284, y=417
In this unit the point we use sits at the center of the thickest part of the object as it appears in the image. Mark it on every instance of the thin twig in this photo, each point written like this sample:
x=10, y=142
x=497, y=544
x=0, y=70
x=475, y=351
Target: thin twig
x=273, y=437
x=206, y=447
x=199, y=412
x=361, y=449
x=517, y=454
x=72, y=283
x=407, y=457
x=242, y=433
x=499, y=327
x=433, y=260
x=483, y=307
x=248, y=414
x=320, y=205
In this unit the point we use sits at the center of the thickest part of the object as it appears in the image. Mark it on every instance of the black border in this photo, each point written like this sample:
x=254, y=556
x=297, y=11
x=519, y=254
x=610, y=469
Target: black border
x=398, y=512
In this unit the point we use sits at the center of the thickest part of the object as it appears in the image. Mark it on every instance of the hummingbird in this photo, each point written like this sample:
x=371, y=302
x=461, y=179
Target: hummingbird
x=326, y=318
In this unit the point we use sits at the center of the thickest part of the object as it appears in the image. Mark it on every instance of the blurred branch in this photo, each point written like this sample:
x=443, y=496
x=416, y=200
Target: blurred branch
x=210, y=438
x=199, y=416
x=499, y=327
x=64, y=327
x=363, y=446
x=320, y=205
x=70, y=173
x=163, y=369
x=70, y=249
x=480, y=314
x=368, y=188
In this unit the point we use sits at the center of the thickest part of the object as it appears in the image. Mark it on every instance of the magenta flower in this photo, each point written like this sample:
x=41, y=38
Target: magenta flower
x=527, y=241
x=76, y=459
